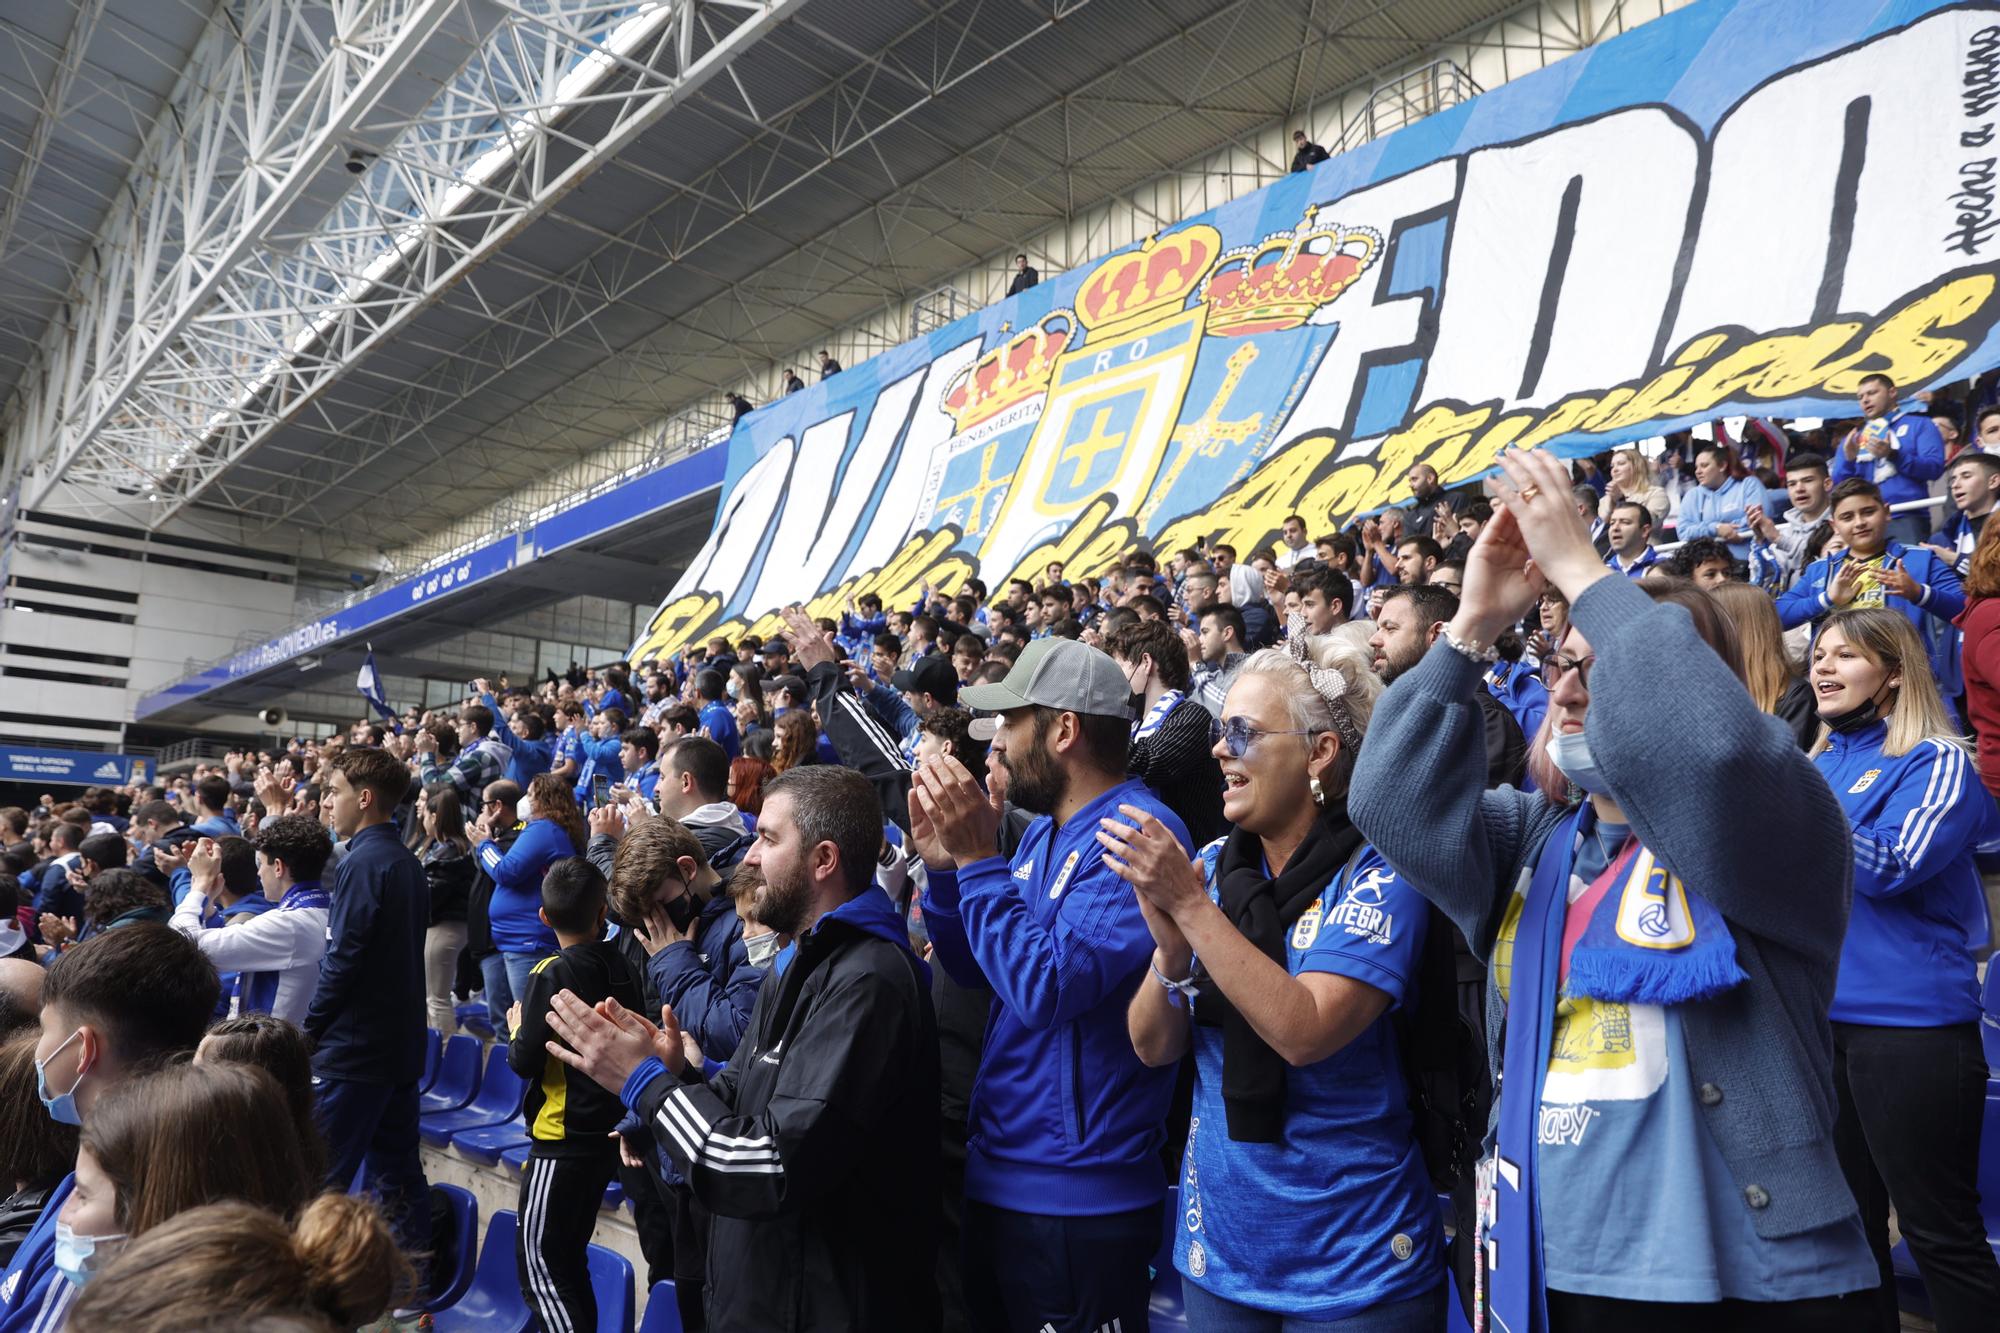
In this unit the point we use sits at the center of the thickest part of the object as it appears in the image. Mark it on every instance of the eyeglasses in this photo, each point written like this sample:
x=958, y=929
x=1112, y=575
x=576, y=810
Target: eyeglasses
x=1238, y=735
x=1556, y=666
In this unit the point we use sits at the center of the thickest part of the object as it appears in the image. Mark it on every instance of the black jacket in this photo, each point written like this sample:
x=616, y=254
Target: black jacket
x=367, y=1014
x=865, y=745
x=568, y=1115
x=1309, y=155
x=449, y=872
x=1506, y=748
x=1175, y=761
x=479, y=902
x=816, y=1149
x=1023, y=279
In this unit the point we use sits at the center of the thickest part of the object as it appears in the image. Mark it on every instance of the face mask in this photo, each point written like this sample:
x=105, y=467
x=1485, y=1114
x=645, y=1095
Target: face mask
x=81, y=1258
x=62, y=1106
x=683, y=910
x=735, y=690
x=1854, y=719
x=763, y=948
x=1571, y=753
x=523, y=811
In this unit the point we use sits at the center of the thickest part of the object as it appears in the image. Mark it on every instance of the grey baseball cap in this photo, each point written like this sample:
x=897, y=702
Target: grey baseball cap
x=1053, y=673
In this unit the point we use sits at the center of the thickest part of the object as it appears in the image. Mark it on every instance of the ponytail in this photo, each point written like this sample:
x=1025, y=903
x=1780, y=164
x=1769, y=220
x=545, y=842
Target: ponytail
x=240, y=1265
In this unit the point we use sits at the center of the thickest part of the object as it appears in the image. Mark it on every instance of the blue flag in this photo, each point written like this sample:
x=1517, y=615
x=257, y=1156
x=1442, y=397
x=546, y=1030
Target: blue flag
x=369, y=682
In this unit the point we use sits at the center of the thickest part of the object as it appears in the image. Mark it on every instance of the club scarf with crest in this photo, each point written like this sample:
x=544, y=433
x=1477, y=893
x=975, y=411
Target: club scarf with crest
x=1648, y=941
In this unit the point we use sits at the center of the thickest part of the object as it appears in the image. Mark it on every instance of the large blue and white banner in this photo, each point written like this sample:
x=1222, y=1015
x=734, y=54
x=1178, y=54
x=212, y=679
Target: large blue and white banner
x=1739, y=208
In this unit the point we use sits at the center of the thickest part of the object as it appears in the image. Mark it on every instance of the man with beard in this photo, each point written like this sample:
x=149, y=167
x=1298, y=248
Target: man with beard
x=1063, y=1178
x=1409, y=621
x=819, y=1140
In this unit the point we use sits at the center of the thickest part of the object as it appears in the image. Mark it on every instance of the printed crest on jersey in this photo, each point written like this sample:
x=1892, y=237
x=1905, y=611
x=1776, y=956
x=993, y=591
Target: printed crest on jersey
x=1062, y=876
x=1307, y=929
x=1864, y=782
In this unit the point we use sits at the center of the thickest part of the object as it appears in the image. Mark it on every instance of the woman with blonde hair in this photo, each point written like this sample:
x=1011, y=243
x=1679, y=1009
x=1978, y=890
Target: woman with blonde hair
x=237, y=1266
x=1278, y=955
x=1632, y=479
x=1775, y=683
x=1908, y=1067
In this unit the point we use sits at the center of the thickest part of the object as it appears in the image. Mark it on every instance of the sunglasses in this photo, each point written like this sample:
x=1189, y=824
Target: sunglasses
x=1238, y=735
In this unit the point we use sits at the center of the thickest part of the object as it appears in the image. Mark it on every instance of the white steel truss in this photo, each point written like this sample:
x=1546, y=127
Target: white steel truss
x=324, y=172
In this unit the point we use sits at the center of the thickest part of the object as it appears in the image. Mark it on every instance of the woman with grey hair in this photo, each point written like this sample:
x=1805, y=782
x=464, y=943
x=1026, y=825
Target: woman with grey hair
x=1278, y=955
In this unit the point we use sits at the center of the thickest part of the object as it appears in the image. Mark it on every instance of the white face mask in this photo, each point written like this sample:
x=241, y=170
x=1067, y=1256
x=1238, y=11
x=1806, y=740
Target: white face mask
x=523, y=811
x=1571, y=753
x=762, y=948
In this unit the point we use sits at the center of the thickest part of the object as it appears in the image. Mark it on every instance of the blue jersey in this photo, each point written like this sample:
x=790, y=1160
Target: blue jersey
x=1919, y=911
x=721, y=728
x=1338, y=1215
x=33, y=1295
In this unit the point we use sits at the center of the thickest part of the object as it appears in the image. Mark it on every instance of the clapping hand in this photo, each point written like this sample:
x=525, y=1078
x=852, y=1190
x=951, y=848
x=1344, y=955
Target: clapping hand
x=959, y=821
x=1840, y=589
x=609, y=1042
x=1169, y=887
x=1899, y=581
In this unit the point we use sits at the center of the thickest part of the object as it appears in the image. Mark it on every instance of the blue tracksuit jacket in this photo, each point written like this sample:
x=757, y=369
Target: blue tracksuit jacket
x=517, y=885
x=1919, y=911
x=1918, y=458
x=1064, y=1120
x=367, y=1014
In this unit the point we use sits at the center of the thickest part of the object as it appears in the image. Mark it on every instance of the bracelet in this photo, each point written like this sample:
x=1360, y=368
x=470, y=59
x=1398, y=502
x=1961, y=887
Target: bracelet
x=1186, y=989
x=1485, y=656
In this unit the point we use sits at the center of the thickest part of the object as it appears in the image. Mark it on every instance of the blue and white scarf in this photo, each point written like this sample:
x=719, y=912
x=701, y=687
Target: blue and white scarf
x=1649, y=942
x=1157, y=714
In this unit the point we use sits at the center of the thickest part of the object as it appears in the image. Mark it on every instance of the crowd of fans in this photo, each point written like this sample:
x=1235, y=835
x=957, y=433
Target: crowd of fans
x=1628, y=896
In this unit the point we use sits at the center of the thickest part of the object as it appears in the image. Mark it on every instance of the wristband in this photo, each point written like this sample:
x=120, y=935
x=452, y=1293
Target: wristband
x=1186, y=988
x=1485, y=656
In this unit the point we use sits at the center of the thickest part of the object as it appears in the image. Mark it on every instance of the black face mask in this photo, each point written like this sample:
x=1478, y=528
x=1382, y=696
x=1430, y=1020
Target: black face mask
x=1136, y=705
x=683, y=910
x=1854, y=719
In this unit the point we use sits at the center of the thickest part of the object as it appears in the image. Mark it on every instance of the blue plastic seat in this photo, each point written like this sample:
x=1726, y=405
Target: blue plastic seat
x=492, y=1303
x=515, y=1158
x=485, y=1143
x=449, y=1289
x=476, y=1019
x=663, y=1311
x=611, y=1278
x=432, y=1042
x=614, y=1195
x=499, y=1099
x=457, y=1077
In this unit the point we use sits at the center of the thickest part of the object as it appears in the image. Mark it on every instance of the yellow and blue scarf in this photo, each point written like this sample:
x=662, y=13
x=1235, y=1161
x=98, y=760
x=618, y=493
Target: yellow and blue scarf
x=1650, y=942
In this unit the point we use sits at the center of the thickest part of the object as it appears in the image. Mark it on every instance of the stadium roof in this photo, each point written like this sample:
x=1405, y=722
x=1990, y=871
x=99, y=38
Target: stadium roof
x=375, y=265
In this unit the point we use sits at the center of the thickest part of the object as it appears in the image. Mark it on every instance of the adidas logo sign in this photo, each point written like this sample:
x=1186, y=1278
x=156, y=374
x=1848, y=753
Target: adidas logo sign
x=109, y=769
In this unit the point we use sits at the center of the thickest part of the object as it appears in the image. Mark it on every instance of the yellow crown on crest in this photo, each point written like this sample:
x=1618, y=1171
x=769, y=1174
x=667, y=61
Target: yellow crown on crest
x=1017, y=369
x=1280, y=282
x=1146, y=284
